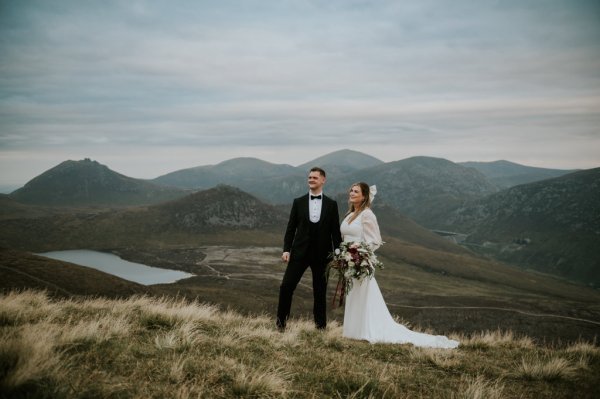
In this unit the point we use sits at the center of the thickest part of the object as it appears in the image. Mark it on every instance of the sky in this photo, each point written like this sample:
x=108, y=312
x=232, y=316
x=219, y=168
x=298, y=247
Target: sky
x=149, y=87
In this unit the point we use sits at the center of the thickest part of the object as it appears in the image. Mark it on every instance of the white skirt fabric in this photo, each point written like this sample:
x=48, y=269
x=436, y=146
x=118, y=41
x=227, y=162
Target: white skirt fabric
x=366, y=317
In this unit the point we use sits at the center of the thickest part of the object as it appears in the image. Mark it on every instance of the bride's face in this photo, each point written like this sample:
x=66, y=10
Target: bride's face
x=356, y=196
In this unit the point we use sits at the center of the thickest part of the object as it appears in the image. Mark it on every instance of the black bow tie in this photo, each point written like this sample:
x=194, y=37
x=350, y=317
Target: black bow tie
x=312, y=197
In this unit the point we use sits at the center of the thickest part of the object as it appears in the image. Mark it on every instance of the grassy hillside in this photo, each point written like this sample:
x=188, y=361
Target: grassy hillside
x=144, y=347
x=552, y=226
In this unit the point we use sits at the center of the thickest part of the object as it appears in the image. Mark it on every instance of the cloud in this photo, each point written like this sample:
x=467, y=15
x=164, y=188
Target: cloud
x=275, y=76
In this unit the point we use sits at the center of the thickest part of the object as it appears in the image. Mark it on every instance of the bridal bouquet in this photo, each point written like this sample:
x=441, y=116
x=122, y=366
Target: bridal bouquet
x=353, y=261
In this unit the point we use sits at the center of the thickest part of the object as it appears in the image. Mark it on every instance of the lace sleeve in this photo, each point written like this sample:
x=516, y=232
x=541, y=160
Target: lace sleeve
x=371, y=229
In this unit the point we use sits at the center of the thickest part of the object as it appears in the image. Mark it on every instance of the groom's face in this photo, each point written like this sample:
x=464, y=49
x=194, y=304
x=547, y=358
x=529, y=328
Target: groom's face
x=316, y=181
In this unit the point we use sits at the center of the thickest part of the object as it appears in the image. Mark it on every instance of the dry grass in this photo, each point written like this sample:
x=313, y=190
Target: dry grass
x=546, y=368
x=479, y=388
x=584, y=348
x=26, y=307
x=29, y=355
x=248, y=382
x=486, y=339
x=99, y=330
x=440, y=358
x=143, y=347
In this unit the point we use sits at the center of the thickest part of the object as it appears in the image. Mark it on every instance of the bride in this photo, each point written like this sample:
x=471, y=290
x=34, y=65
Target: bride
x=366, y=315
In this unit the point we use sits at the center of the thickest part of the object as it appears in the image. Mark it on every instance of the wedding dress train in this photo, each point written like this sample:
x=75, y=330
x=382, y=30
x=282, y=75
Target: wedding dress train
x=366, y=316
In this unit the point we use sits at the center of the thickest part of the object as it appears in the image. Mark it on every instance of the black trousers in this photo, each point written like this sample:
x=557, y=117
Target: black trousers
x=291, y=278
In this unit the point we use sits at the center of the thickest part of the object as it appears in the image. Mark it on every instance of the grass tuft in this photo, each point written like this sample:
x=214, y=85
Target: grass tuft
x=479, y=388
x=584, y=348
x=548, y=369
x=29, y=356
x=440, y=358
x=248, y=382
x=497, y=338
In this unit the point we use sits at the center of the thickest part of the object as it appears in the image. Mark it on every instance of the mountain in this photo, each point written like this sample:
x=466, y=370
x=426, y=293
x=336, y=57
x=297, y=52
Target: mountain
x=422, y=188
x=219, y=207
x=274, y=183
x=239, y=172
x=342, y=161
x=88, y=182
x=552, y=225
x=506, y=174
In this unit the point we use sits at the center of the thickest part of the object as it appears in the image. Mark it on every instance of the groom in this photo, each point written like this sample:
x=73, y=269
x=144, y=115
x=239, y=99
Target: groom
x=312, y=233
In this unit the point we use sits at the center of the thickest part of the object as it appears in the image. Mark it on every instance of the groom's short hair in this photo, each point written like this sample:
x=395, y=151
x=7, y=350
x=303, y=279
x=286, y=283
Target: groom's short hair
x=317, y=169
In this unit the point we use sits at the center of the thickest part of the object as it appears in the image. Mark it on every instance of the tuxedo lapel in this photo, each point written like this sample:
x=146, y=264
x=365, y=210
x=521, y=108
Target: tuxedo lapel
x=304, y=203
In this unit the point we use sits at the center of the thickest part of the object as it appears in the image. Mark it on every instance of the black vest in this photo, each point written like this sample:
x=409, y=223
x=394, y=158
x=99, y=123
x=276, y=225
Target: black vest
x=313, y=240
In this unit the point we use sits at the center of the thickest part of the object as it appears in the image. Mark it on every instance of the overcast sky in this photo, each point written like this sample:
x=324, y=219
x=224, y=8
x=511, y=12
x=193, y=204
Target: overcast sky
x=149, y=87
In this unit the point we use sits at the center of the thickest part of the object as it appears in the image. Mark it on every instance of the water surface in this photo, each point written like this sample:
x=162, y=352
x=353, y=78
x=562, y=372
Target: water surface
x=109, y=263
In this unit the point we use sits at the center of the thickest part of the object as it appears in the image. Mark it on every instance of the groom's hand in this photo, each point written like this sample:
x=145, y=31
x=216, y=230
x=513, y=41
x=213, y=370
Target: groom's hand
x=285, y=257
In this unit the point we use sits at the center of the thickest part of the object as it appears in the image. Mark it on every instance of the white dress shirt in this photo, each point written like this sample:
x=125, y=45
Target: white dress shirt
x=314, y=207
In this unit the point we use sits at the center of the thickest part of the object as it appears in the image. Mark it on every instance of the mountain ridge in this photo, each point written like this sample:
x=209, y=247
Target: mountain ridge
x=88, y=182
x=235, y=172
x=507, y=174
x=423, y=187
x=346, y=159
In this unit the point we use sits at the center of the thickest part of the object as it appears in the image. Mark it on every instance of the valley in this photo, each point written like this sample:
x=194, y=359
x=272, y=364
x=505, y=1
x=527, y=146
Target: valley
x=231, y=241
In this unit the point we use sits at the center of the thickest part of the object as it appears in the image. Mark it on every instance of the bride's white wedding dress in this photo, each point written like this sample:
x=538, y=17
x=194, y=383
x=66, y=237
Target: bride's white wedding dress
x=366, y=315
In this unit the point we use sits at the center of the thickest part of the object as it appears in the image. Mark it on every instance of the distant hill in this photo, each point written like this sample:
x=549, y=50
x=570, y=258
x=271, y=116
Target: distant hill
x=88, y=182
x=222, y=214
x=239, y=172
x=275, y=183
x=551, y=225
x=506, y=174
x=342, y=161
x=11, y=208
x=222, y=206
x=393, y=223
x=420, y=187
x=423, y=188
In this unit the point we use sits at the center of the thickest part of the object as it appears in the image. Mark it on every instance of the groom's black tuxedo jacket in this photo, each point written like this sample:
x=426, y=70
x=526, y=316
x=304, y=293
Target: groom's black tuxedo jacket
x=297, y=235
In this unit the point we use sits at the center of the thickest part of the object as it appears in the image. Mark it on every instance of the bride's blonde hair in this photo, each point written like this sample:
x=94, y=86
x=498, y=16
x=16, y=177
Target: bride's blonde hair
x=365, y=203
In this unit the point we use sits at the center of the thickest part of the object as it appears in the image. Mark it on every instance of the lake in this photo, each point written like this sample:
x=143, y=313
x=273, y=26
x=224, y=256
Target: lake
x=112, y=264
